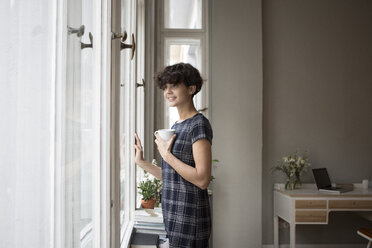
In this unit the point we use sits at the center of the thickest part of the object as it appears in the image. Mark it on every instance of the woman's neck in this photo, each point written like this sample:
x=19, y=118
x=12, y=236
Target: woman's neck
x=187, y=111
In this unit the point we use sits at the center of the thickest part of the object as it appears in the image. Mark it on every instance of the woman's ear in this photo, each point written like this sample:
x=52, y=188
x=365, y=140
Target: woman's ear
x=192, y=89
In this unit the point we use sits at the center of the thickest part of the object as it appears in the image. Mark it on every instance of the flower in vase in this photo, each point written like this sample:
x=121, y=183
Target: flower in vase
x=293, y=166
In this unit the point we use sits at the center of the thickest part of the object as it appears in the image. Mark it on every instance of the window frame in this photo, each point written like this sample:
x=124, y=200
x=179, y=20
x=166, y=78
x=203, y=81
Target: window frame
x=202, y=101
x=106, y=212
x=134, y=108
x=122, y=233
x=101, y=75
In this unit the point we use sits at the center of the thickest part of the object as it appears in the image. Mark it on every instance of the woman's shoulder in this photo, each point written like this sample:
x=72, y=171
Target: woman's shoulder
x=200, y=119
x=201, y=128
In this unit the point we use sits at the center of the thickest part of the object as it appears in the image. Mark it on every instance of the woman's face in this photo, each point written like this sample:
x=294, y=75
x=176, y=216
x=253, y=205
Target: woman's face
x=179, y=94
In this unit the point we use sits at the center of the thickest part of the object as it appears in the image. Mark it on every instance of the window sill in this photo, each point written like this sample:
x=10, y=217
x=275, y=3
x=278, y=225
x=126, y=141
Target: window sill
x=126, y=235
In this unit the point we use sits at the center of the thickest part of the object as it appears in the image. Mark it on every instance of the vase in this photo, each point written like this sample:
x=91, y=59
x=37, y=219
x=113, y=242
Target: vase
x=297, y=183
x=149, y=204
x=292, y=183
x=289, y=185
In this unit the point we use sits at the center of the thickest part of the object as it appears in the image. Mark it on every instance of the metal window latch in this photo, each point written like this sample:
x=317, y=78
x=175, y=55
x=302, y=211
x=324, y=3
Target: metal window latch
x=141, y=85
x=133, y=46
x=83, y=45
x=78, y=31
x=123, y=36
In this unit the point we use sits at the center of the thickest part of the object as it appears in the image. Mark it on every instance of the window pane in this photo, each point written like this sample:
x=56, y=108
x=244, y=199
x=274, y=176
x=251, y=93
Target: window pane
x=125, y=80
x=82, y=129
x=140, y=91
x=187, y=51
x=183, y=50
x=183, y=14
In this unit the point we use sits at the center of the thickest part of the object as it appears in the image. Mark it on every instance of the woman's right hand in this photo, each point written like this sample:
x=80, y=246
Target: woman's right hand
x=138, y=150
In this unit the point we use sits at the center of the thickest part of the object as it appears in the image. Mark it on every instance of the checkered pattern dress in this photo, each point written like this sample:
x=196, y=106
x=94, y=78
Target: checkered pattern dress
x=185, y=206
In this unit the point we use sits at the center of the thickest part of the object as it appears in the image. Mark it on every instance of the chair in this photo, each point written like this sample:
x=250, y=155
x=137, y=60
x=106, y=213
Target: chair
x=367, y=234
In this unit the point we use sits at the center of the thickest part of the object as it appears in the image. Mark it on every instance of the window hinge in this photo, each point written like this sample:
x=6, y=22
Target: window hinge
x=112, y=203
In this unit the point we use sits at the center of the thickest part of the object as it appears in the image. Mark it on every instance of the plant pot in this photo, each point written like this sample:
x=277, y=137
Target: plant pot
x=149, y=204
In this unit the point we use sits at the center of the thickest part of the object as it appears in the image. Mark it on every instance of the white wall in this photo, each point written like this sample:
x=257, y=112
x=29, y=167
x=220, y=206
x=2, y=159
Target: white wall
x=317, y=97
x=236, y=116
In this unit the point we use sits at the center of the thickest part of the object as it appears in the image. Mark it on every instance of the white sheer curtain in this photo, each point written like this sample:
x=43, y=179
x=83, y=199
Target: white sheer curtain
x=27, y=123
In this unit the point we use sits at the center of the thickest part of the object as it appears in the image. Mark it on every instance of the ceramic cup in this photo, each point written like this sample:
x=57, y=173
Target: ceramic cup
x=365, y=183
x=165, y=134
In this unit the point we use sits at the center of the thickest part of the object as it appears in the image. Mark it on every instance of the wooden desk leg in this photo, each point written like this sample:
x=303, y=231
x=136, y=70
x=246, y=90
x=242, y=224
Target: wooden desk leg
x=292, y=235
x=276, y=232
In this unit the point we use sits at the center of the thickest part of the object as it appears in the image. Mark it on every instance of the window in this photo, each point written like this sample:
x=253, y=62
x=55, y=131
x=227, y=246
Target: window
x=54, y=142
x=132, y=108
x=183, y=37
x=183, y=14
x=81, y=129
x=80, y=106
x=73, y=99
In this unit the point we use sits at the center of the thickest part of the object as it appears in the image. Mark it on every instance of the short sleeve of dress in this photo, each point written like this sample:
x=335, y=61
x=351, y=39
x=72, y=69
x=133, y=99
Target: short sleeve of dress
x=201, y=129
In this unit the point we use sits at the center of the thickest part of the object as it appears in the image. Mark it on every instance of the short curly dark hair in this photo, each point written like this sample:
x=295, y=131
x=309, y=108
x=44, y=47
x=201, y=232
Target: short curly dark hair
x=179, y=73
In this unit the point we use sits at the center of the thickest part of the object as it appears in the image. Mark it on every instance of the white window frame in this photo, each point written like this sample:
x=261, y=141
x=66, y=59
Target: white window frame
x=120, y=235
x=133, y=108
x=102, y=74
x=105, y=225
x=149, y=75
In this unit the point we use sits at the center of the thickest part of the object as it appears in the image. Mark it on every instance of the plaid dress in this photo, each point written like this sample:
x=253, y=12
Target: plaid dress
x=186, y=210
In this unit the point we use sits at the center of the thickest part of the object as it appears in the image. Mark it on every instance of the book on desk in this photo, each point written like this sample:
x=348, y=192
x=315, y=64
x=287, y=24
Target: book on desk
x=339, y=188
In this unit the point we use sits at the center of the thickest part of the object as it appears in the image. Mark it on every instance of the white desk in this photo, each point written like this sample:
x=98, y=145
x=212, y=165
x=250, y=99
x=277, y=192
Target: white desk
x=308, y=206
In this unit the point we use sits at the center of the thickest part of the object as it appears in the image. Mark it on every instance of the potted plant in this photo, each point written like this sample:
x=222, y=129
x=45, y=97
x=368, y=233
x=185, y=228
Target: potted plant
x=150, y=190
x=211, y=179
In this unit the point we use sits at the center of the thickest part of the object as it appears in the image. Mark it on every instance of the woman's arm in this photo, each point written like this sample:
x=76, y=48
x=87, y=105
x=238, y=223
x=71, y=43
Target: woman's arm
x=150, y=168
x=147, y=166
x=200, y=175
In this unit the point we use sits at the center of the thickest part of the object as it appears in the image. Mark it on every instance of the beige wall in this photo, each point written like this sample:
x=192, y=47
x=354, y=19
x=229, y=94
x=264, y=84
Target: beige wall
x=315, y=94
x=236, y=93
x=318, y=96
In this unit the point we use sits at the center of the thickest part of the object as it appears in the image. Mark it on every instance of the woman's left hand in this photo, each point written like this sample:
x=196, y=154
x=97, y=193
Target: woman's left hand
x=164, y=146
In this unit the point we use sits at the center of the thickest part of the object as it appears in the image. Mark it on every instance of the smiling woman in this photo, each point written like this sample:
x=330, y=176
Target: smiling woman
x=186, y=161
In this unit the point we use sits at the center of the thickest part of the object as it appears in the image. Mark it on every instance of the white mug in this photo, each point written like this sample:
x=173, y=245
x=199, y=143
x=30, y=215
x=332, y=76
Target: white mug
x=165, y=134
x=365, y=183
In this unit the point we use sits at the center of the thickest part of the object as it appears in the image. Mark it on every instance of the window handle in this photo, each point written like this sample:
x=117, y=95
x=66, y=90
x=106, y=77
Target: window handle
x=125, y=46
x=141, y=85
x=83, y=45
x=78, y=31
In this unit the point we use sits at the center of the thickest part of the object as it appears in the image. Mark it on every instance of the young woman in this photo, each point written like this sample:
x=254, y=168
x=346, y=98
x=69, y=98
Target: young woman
x=186, y=161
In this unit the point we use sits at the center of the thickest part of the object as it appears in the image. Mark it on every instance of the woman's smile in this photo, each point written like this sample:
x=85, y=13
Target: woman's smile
x=171, y=98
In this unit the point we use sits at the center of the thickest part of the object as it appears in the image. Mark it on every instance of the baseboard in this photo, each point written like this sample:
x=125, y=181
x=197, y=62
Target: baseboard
x=320, y=246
